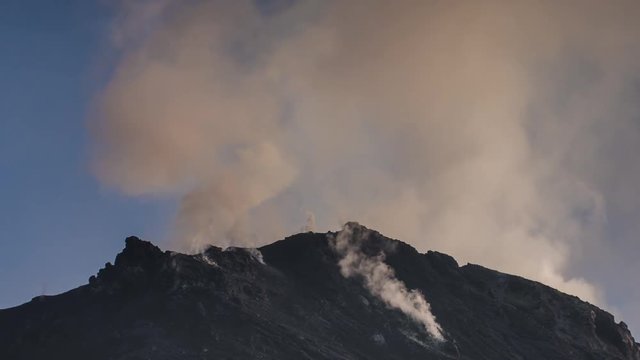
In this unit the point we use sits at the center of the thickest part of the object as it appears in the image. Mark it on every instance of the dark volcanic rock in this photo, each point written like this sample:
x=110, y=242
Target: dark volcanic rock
x=289, y=301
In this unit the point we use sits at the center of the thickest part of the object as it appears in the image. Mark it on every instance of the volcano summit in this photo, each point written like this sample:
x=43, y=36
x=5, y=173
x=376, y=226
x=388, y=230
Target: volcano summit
x=354, y=294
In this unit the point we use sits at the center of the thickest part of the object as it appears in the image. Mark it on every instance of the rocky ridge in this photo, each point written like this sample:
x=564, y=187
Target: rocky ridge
x=289, y=300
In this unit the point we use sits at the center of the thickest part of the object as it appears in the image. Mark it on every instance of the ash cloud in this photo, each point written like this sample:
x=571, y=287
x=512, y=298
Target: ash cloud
x=380, y=279
x=496, y=131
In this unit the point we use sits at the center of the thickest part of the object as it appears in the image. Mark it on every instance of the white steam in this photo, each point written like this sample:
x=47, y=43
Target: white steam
x=310, y=224
x=380, y=279
x=496, y=131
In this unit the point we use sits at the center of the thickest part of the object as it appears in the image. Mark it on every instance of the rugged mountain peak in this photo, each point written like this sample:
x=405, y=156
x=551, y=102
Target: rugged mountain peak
x=138, y=252
x=292, y=300
x=441, y=261
x=371, y=242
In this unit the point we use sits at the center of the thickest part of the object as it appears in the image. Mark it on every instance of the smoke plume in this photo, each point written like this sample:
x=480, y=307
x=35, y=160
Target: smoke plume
x=380, y=279
x=496, y=131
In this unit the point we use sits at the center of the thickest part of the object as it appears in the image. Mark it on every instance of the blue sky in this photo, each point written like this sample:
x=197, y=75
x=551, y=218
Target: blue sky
x=58, y=225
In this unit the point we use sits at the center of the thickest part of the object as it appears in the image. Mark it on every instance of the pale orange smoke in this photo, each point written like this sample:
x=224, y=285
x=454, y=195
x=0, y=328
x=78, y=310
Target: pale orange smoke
x=468, y=127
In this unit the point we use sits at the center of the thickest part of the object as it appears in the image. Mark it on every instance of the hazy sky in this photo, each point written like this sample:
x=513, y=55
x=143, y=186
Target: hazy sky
x=57, y=224
x=504, y=133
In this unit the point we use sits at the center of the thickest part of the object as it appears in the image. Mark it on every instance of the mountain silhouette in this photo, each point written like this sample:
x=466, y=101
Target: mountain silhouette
x=290, y=300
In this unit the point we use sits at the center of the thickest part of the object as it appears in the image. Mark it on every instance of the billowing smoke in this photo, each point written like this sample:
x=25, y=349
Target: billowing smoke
x=495, y=131
x=380, y=279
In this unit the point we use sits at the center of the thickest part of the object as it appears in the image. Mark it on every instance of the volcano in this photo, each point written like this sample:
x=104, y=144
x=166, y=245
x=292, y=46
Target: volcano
x=292, y=300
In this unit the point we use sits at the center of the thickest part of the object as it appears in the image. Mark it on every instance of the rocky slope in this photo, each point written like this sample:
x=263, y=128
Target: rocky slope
x=289, y=300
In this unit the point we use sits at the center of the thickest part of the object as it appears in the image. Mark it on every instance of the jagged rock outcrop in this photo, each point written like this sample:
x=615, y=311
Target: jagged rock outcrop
x=288, y=300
